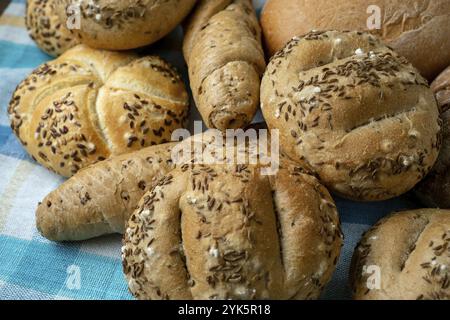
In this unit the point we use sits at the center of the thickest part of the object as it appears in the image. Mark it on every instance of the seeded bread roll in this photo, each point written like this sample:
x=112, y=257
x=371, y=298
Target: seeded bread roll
x=362, y=117
x=125, y=24
x=434, y=190
x=405, y=256
x=46, y=28
x=227, y=232
x=224, y=54
x=416, y=29
x=90, y=104
x=99, y=199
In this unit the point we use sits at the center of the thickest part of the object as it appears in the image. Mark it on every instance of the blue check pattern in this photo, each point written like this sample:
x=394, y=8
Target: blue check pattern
x=31, y=267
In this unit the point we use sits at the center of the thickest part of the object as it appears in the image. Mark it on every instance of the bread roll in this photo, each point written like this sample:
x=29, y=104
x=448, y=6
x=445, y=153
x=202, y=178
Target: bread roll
x=99, y=199
x=46, y=28
x=434, y=190
x=361, y=116
x=226, y=232
x=224, y=54
x=90, y=104
x=416, y=29
x=125, y=24
x=405, y=256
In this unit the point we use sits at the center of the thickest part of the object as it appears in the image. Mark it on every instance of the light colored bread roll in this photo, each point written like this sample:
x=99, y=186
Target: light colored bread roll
x=361, y=116
x=125, y=24
x=99, y=199
x=434, y=190
x=226, y=232
x=405, y=256
x=46, y=28
x=224, y=54
x=416, y=29
x=90, y=104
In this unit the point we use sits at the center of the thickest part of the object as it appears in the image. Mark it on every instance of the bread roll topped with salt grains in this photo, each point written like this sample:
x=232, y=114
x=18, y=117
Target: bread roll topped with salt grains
x=362, y=116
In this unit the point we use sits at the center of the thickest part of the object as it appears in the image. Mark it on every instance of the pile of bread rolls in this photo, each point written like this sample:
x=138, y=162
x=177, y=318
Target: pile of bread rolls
x=352, y=105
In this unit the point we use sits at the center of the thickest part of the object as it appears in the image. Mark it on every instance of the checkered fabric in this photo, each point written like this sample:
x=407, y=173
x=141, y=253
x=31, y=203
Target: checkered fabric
x=31, y=267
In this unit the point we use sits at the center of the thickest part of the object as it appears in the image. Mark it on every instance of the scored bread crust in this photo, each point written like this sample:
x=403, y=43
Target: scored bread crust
x=413, y=28
x=125, y=24
x=222, y=47
x=90, y=104
x=434, y=190
x=411, y=250
x=47, y=29
x=227, y=232
x=363, y=118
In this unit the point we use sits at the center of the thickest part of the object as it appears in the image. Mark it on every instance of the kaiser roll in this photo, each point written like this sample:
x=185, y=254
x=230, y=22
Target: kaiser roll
x=227, y=232
x=46, y=28
x=90, y=104
x=416, y=29
x=434, y=190
x=122, y=25
x=361, y=116
x=405, y=256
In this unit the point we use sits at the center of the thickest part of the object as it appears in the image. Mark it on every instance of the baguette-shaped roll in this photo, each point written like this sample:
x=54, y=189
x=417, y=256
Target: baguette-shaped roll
x=224, y=54
x=98, y=199
x=90, y=104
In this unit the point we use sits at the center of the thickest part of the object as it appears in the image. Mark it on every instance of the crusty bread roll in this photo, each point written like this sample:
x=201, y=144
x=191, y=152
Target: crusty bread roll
x=125, y=24
x=434, y=190
x=226, y=232
x=361, y=116
x=90, y=104
x=416, y=29
x=224, y=54
x=405, y=256
x=100, y=198
x=46, y=28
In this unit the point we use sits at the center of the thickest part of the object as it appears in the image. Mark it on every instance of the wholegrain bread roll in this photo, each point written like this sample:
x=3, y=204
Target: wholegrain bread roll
x=227, y=232
x=90, y=104
x=405, y=256
x=223, y=50
x=125, y=24
x=434, y=190
x=46, y=28
x=361, y=116
x=416, y=29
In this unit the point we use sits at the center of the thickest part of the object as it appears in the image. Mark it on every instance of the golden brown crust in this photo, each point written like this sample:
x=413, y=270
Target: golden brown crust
x=99, y=199
x=410, y=250
x=434, y=190
x=90, y=104
x=412, y=28
x=219, y=232
x=123, y=25
x=223, y=51
x=359, y=114
x=46, y=28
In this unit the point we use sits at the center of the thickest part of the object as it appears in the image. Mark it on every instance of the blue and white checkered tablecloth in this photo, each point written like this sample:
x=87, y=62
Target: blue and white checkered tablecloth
x=32, y=267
